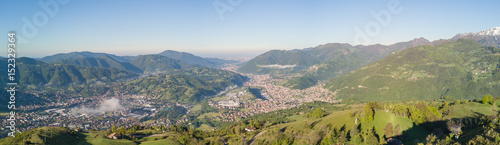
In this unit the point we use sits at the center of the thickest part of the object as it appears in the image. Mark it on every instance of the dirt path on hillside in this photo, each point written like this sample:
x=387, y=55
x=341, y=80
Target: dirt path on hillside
x=252, y=142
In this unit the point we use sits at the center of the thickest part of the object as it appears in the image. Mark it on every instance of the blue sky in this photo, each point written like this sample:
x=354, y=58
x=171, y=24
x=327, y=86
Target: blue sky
x=251, y=27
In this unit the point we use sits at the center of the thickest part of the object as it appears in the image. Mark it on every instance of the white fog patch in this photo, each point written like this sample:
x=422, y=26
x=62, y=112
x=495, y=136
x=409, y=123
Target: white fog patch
x=109, y=105
x=227, y=89
x=277, y=66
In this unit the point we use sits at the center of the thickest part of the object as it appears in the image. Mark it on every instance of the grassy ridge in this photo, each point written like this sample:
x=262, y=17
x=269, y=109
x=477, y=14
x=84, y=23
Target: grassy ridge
x=66, y=136
x=46, y=135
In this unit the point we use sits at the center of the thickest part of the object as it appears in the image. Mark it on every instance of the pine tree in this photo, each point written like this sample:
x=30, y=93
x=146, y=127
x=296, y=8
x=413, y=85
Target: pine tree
x=342, y=137
x=121, y=131
x=354, y=131
x=357, y=139
x=368, y=113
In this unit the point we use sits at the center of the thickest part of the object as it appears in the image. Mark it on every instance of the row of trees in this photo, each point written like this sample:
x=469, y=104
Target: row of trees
x=417, y=112
x=355, y=135
x=368, y=113
x=116, y=130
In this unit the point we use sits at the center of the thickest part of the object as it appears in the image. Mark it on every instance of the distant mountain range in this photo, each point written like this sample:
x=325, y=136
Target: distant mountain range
x=323, y=62
x=327, y=61
x=159, y=63
x=331, y=52
x=307, y=66
x=140, y=64
x=489, y=37
x=106, y=60
x=327, y=52
x=193, y=59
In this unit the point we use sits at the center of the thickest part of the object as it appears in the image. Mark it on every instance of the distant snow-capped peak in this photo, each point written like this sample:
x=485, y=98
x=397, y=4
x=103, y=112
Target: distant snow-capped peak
x=493, y=31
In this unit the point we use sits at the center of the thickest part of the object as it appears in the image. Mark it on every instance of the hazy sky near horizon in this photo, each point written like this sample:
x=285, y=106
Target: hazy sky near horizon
x=239, y=28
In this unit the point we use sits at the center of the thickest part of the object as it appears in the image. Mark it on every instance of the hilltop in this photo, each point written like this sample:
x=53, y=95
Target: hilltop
x=76, y=55
x=104, y=61
x=193, y=59
x=88, y=58
x=158, y=63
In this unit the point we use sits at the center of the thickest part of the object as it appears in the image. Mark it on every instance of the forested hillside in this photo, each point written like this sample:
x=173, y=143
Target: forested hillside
x=185, y=86
x=102, y=61
x=463, y=69
x=34, y=73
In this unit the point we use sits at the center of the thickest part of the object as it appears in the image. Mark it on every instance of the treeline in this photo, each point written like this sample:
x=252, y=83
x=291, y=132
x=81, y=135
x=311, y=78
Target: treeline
x=419, y=112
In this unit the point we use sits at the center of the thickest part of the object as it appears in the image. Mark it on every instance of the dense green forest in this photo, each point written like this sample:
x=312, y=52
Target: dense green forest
x=464, y=69
x=34, y=74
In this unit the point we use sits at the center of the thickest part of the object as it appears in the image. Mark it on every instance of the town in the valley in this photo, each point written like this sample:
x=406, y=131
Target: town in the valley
x=235, y=102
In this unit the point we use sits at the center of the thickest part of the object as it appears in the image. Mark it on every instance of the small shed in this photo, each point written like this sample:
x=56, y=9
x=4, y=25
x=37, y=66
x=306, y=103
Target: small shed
x=250, y=128
x=114, y=136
